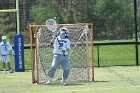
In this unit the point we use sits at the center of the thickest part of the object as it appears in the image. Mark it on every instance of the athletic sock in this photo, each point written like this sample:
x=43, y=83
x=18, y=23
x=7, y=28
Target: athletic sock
x=4, y=71
x=10, y=70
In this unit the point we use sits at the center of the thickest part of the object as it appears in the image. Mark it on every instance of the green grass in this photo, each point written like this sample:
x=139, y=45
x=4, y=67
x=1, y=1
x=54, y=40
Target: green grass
x=124, y=79
x=116, y=55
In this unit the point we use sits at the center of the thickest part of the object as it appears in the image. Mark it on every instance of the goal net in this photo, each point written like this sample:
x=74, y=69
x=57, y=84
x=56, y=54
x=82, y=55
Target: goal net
x=81, y=53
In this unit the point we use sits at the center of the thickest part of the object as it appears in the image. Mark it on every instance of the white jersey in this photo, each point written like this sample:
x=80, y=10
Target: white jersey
x=62, y=43
x=5, y=48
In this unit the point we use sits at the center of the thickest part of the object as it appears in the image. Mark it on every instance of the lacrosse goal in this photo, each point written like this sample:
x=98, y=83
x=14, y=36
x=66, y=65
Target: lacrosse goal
x=81, y=55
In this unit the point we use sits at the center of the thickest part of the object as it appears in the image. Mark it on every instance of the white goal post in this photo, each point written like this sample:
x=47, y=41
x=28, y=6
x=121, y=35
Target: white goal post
x=81, y=59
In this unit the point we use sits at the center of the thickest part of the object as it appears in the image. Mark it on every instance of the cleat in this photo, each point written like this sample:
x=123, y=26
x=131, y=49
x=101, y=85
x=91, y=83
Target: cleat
x=4, y=71
x=49, y=82
x=64, y=82
x=10, y=71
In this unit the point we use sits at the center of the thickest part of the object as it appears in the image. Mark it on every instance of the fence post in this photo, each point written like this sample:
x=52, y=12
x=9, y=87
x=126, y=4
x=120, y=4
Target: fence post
x=136, y=35
x=98, y=56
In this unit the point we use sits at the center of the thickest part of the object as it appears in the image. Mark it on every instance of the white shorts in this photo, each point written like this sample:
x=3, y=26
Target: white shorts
x=5, y=58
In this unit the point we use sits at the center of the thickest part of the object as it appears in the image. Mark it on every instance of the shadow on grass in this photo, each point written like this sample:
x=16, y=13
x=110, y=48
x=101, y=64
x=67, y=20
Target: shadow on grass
x=100, y=81
x=75, y=83
x=59, y=84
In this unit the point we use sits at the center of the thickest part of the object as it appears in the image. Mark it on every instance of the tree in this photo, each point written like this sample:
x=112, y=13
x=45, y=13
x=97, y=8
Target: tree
x=66, y=11
x=116, y=17
x=7, y=20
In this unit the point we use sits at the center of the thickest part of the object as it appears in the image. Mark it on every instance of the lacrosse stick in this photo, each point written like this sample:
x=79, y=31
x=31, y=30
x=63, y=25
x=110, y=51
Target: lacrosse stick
x=85, y=31
x=52, y=26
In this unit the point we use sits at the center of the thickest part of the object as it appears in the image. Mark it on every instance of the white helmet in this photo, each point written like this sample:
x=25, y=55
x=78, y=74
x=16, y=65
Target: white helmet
x=3, y=37
x=63, y=29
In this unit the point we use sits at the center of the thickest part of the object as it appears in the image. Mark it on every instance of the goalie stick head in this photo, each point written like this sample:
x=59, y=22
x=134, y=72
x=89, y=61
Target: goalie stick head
x=51, y=25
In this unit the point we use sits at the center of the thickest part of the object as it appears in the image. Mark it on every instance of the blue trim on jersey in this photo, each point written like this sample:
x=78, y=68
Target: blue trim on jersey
x=63, y=41
x=5, y=47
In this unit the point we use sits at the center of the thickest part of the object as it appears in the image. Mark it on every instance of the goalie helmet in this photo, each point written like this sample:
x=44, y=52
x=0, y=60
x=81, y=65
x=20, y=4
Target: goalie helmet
x=4, y=39
x=64, y=32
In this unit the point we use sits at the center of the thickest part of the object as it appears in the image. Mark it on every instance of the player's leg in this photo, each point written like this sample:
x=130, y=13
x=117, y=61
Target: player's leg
x=66, y=70
x=54, y=66
x=10, y=70
x=3, y=63
x=8, y=63
x=4, y=67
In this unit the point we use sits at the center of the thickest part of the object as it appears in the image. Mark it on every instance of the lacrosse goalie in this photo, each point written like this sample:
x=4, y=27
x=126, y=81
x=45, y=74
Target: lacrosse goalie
x=5, y=48
x=61, y=46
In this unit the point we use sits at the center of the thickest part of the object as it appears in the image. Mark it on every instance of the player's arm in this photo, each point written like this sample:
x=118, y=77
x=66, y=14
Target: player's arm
x=67, y=48
x=68, y=45
x=53, y=39
x=13, y=53
x=11, y=49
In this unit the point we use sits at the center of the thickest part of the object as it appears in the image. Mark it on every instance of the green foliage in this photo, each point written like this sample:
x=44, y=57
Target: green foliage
x=39, y=13
x=4, y=25
x=7, y=27
x=72, y=13
x=114, y=19
x=26, y=37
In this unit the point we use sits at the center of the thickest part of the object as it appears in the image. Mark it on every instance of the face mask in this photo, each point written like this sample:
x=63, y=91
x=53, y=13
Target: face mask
x=62, y=34
x=4, y=40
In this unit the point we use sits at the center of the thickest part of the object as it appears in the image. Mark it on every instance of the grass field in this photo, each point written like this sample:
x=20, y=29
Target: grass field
x=116, y=55
x=118, y=79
